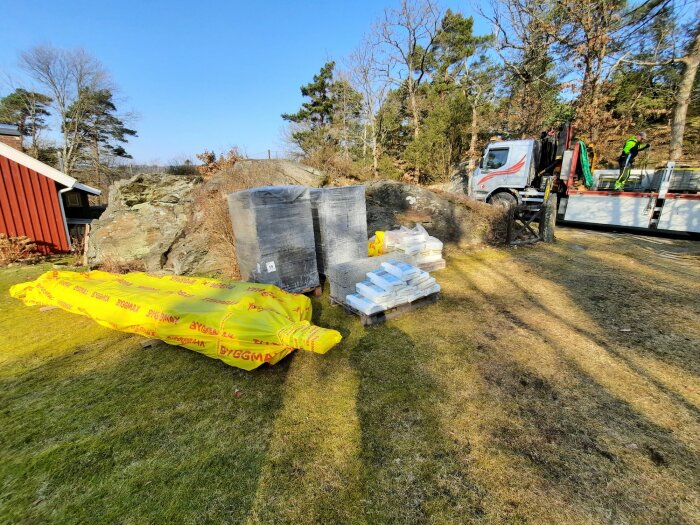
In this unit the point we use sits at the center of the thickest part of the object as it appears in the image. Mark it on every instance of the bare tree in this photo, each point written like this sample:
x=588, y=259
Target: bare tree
x=522, y=44
x=685, y=89
x=370, y=81
x=408, y=33
x=66, y=74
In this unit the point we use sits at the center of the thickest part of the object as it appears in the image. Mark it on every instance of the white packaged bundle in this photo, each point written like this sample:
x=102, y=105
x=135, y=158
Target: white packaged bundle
x=385, y=280
x=418, y=244
x=415, y=235
x=433, y=244
x=429, y=257
x=410, y=249
x=428, y=283
x=419, y=278
x=402, y=270
x=373, y=292
x=363, y=304
x=433, y=289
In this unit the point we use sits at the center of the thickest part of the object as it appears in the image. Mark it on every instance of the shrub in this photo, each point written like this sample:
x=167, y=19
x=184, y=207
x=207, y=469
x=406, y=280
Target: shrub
x=13, y=249
x=113, y=266
x=211, y=164
x=182, y=169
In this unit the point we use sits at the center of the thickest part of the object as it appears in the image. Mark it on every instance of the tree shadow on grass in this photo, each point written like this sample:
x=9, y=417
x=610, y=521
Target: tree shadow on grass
x=587, y=450
x=613, y=340
x=412, y=472
x=154, y=435
x=584, y=441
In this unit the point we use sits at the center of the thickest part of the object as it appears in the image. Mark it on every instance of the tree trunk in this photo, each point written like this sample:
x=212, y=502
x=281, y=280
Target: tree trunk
x=364, y=140
x=375, y=149
x=474, y=136
x=685, y=89
x=414, y=112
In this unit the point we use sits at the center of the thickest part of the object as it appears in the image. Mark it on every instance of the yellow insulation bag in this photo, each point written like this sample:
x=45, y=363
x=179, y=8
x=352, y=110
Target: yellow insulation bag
x=243, y=324
x=375, y=246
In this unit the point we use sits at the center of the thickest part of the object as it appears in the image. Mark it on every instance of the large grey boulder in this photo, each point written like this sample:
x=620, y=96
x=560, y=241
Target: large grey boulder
x=449, y=217
x=144, y=217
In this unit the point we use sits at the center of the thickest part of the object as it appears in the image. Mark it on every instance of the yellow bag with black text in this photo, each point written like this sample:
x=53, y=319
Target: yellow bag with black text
x=243, y=324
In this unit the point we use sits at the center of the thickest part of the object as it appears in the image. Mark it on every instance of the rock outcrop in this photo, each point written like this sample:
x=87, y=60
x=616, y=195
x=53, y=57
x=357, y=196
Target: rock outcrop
x=144, y=217
x=180, y=224
x=449, y=217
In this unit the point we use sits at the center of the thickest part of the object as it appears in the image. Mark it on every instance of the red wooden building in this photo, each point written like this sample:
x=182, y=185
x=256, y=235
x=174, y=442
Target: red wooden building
x=40, y=202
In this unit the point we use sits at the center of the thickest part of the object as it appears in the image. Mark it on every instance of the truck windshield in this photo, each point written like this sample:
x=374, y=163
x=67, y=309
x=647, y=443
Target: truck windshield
x=495, y=158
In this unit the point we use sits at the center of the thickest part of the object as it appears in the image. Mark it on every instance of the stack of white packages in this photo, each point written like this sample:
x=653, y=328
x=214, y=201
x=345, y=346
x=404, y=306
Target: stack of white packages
x=393, y=284
x=416, y=242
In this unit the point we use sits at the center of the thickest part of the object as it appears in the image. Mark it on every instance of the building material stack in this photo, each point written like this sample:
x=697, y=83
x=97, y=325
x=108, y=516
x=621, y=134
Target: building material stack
x=274, y=233
x=344, y=276
x=417, y=243
x=340, y=225
x=393, y=284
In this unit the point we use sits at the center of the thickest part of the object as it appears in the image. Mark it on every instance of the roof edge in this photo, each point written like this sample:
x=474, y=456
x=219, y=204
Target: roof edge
x=44, y=169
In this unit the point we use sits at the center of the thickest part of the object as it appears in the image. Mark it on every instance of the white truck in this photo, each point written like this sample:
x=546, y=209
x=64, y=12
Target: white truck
x=515, y=172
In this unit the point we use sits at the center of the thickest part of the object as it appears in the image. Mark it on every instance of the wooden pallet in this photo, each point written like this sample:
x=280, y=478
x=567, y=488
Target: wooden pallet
x=316, y=291
x=380, y=317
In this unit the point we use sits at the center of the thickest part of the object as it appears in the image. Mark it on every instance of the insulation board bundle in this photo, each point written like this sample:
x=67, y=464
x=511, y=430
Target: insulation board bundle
x=416, y=242
x=274, y=235
x=393, y=284
x=344, y=276
x=340, y=225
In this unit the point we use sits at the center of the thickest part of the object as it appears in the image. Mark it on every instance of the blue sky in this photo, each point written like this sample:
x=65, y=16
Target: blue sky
x=207, y=74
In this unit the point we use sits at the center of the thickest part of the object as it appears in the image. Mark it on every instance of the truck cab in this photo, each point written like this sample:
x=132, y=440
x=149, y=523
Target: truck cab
x=506, y=168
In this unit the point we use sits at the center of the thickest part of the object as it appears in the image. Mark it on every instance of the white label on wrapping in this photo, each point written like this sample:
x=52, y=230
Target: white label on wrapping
x=271, y=267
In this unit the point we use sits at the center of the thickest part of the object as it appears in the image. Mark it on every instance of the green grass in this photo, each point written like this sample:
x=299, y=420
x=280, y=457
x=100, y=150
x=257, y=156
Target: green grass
x=515, y=399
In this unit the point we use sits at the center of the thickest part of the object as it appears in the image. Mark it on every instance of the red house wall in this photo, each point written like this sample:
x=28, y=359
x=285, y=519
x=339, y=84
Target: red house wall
x=29, y=206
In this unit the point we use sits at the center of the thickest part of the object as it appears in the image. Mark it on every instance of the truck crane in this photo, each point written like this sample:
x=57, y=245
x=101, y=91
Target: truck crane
x=516, y=172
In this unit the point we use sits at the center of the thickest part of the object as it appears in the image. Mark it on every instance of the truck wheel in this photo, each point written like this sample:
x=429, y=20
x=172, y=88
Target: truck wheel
x=503, y=198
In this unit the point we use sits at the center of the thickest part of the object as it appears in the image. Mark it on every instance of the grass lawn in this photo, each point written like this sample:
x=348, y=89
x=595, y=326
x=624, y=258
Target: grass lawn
x=550, y=384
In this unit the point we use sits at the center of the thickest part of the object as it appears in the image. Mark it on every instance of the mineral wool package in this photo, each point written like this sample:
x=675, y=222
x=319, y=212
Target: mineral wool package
x=242, y=324
x=340, y=225
x=274, y=233
x=415, y=242
x=393, y=284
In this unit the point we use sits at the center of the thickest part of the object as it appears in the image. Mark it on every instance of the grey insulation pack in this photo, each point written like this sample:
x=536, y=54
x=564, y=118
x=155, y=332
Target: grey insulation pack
x=340, y=225
x=274, y=236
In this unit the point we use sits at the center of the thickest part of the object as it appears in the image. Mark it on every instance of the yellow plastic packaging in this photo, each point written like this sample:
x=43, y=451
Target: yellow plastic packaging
x=243, y=324
x=375, y=246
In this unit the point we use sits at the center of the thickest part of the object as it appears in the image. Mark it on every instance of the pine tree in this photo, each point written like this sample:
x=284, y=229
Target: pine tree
x=316, y=115
x=101, y=132
x=28, y=111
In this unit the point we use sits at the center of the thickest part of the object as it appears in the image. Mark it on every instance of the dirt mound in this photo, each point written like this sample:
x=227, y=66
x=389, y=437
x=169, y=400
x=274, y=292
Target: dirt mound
x=252, y=173
x=450, y=217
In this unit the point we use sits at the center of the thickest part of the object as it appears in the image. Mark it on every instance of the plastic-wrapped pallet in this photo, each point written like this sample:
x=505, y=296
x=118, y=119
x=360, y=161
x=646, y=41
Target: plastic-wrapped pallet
x=274, y=235
x=344, y=276
x=340, y=225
